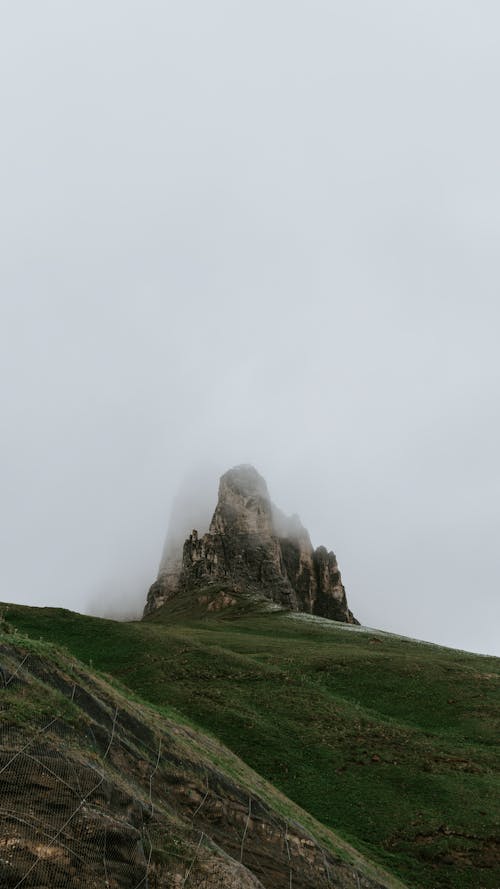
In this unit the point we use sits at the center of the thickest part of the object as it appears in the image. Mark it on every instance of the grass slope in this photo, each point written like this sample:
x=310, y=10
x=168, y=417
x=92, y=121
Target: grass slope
x=124, y=789
x=387, y=741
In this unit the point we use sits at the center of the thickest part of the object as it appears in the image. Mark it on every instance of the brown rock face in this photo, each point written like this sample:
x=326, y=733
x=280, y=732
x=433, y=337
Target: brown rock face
x=253, y=547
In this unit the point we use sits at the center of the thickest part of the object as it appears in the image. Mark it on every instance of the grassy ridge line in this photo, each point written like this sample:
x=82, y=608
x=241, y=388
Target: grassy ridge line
x=360, y=628
x=388, y=742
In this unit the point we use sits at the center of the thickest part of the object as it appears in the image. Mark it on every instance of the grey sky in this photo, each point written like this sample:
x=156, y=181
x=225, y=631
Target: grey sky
x=257, y=232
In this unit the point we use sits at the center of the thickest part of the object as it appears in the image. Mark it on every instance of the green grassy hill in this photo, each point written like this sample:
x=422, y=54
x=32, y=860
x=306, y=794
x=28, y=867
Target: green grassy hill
x=99, y=789
x=387, y=741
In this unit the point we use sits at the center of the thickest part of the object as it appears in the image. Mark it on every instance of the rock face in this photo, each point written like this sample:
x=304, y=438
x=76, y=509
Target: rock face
x=251, y=546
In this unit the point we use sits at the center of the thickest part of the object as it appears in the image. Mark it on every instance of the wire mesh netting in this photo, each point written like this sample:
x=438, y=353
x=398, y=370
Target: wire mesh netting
x=95, y=793
x=79, y=806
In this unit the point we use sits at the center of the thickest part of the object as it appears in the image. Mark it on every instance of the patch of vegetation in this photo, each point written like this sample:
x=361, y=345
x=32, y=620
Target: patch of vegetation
x=388, y=742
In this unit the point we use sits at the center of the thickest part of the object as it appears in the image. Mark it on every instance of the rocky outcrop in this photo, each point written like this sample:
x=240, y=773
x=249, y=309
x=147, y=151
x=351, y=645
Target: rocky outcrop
x=253, y=547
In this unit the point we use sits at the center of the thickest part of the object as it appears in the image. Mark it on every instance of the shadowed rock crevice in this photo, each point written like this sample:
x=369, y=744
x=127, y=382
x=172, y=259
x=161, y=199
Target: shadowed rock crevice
x=254, y=548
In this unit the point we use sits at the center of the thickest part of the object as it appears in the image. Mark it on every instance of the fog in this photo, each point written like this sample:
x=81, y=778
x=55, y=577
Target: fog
x=264, y=233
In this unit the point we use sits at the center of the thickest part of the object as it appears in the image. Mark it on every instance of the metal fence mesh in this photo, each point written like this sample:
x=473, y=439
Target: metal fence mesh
x=68, y=817
x=95, y=797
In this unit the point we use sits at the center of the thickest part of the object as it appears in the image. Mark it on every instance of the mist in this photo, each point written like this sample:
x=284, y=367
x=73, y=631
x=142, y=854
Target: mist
x=261, y=234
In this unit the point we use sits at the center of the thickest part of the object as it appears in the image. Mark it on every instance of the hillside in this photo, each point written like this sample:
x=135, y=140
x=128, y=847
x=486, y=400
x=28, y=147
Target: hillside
x=386, y=741
x=100, y=790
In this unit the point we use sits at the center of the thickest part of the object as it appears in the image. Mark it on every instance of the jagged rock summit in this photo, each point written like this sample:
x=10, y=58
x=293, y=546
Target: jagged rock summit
x=252, y=547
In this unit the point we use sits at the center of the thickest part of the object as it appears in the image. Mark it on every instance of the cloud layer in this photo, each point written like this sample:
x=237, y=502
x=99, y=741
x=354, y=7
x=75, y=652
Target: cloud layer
x=259, y=233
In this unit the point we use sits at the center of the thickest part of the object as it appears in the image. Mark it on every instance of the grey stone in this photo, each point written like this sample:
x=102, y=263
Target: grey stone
x=253, y=547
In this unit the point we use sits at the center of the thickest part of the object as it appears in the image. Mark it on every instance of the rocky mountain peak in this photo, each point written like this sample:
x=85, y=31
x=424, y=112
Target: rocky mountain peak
x=244, y=503
x=244, y=480
x=252, y=547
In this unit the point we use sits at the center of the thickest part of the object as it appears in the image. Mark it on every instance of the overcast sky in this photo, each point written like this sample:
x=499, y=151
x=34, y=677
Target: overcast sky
x=260, y=232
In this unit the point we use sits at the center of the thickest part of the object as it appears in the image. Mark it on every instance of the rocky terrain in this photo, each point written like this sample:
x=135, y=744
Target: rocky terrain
x=251, y=547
